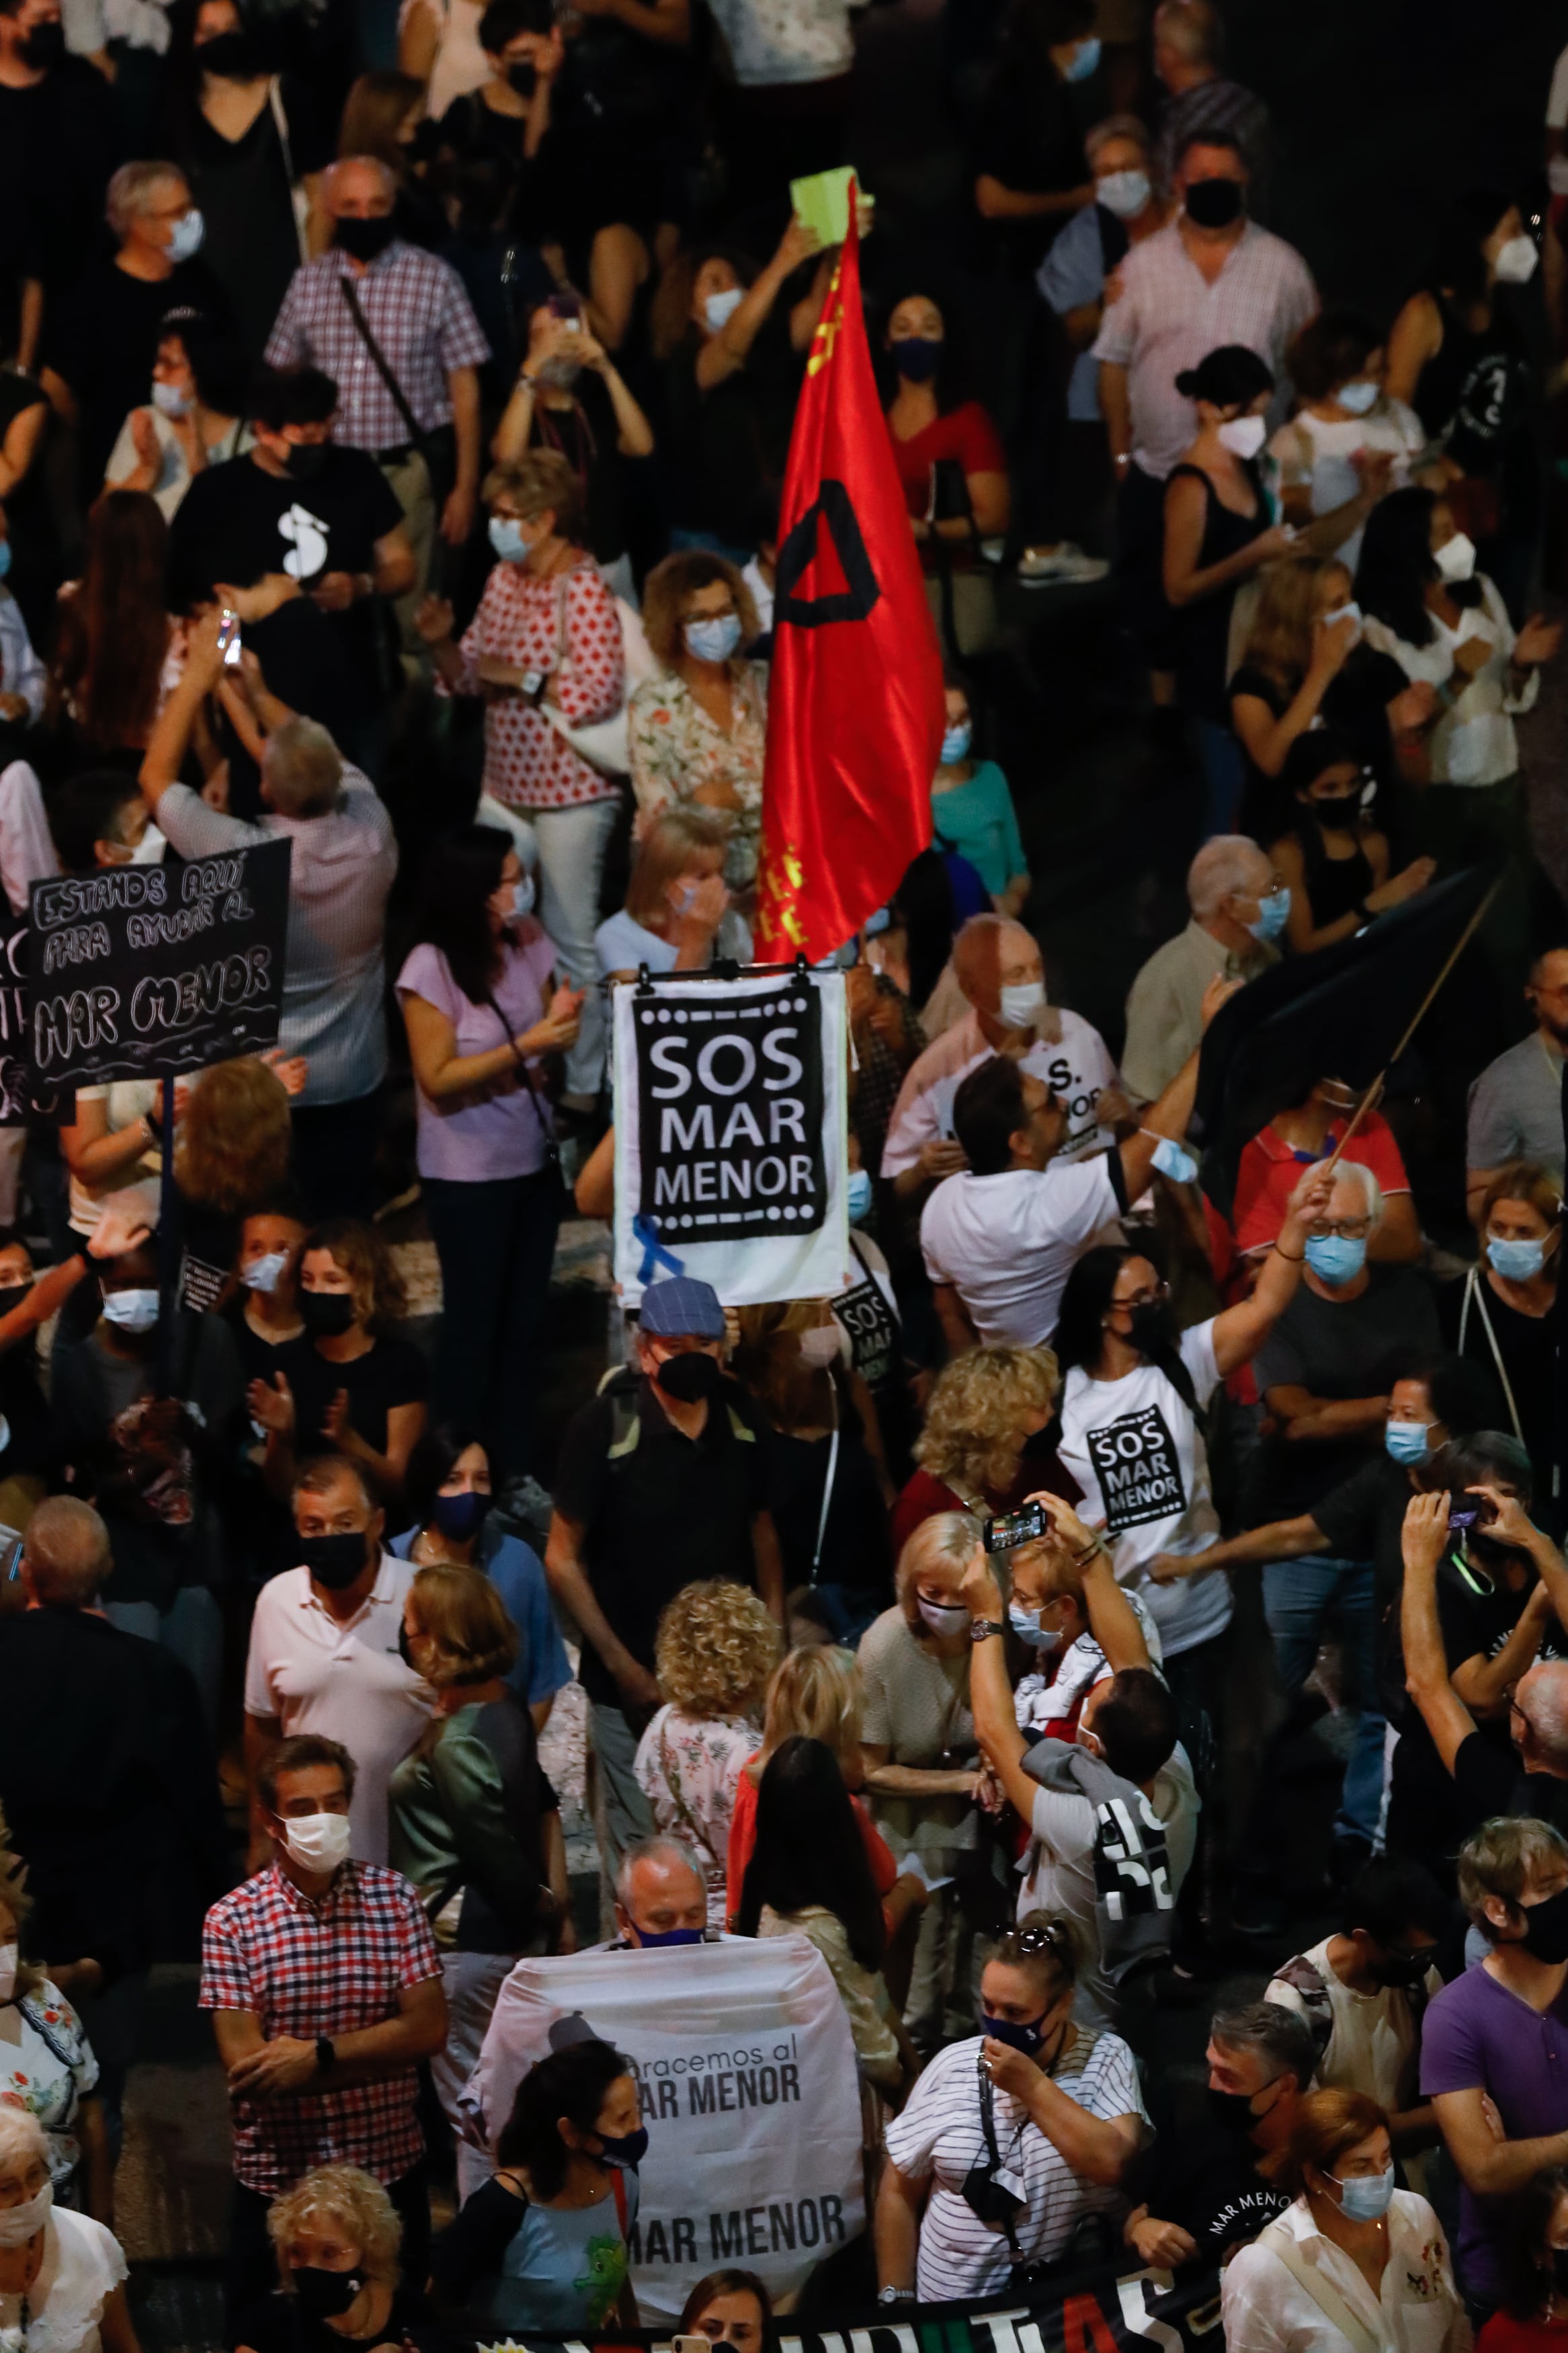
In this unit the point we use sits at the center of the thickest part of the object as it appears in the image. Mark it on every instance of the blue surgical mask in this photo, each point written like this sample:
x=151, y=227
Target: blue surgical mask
x=1517, y=1261
x=713, y=640
x=718, y=309
x=1084, y=60
x=170, y=401
x=1026, y=1624
x=652, y=1944
x=626, y=2148
x=186, y=237
x=266, y=1273
x=1336, y=1259
x=955, y=744
x=1273, y=914
x=1367, y=2197
x=1409, y=1442
x=522, y=897
x=133, y=1311
x=1125, y=194
x=1025, y=2037
x=857, y=1195
x=1172, y=1162
x=506, y=538
x=1358, y=397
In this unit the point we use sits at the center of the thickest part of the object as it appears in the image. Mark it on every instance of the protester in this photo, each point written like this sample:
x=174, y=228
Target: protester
x=1348, y=440
x=66, y=2272
x=570, y=395
x=196, y=418
x=51, y=2070
x=1516, y=1105
x=730, y=2307
x=1205, y=2188
x=1529, y=2320
x=695, y=727
x=676, y=915
x=361, y=1388
x=986, y=1440
x=337, y=2237
x=1336, y=866
x=1500, y=1314
x=1239, y=909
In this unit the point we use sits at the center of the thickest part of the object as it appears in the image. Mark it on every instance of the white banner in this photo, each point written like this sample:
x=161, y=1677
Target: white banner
x=750, y=2093
x=731, y=1136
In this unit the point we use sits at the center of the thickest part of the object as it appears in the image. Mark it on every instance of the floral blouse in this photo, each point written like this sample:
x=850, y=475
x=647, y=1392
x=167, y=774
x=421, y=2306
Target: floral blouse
x=688, y=1770
x=48, y=2071
x=569, y=631
x=679, y=755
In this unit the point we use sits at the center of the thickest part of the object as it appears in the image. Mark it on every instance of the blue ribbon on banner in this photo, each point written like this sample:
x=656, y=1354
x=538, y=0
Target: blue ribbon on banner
x=654, y=1253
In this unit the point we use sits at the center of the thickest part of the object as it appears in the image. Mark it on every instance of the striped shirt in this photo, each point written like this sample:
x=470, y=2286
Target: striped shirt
x=416, y=308
x=1168, y=317
x=334, y=978
x=941, y=2135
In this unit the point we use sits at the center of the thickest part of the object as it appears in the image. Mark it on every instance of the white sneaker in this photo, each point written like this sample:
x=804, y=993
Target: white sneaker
x=1061, y=566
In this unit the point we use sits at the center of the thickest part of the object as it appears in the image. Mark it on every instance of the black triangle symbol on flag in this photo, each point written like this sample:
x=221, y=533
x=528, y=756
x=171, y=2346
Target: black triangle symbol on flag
x=852, y=604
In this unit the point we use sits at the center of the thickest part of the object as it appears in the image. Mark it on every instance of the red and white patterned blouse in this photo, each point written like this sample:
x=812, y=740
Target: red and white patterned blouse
x=569, y=629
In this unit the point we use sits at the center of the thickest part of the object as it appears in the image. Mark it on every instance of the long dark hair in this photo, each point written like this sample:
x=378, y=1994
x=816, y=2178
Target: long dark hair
x=1458, y=266
x=810, y=1849
x=1528, y=2278
x=951, y=388
x=432, y=1463
x=114, y=632
x=1080, y=1336
x=1397, y=565
x=573, y=2083
x=463, y=873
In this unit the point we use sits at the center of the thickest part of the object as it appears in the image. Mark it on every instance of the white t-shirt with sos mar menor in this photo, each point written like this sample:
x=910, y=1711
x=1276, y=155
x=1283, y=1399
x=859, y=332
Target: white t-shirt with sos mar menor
x=1137, y=1452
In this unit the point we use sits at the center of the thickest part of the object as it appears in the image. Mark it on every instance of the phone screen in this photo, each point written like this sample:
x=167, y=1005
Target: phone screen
x=1010, y=1528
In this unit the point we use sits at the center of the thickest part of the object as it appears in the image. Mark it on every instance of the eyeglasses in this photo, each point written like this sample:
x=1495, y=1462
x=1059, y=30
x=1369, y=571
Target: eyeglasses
x=1350, y=1229
x=1146, y=1297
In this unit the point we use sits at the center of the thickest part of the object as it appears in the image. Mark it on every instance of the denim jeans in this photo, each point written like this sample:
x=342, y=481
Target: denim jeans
x=1301, y=1598
x=192, y=1627
x=572, y=844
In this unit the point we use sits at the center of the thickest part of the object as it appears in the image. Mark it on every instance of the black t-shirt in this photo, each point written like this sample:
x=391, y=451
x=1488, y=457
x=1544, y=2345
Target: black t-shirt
x=587, y=435
x=854, y=1540
x=237, y=522
x=723, y=447
x=1489, y=1781
x=57, y=148
x=392, y=1372
x=471, y=2250
x=1204, y=2177
x=1528, y=1344
x=104, y=341
x=276, y=2325
x=1335, y=1349
x=664, y=1511
x=1030, y=136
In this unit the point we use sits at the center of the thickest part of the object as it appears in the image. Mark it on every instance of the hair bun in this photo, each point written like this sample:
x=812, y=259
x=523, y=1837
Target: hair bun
x=1187, y=383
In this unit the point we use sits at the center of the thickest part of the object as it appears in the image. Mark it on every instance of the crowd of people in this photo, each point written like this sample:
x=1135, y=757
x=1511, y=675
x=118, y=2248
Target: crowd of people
x=393, y=425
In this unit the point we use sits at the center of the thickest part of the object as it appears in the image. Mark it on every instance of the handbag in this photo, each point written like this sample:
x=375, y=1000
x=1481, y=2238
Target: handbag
x=603, y=743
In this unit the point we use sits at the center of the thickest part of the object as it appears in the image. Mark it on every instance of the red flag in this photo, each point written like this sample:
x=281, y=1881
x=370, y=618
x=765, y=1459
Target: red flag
x=855, y=707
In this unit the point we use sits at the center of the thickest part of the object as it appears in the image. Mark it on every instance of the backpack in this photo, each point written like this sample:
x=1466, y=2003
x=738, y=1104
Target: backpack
x=1304, y=1978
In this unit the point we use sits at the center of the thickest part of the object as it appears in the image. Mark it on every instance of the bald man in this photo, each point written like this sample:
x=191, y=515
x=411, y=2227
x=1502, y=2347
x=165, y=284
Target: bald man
x=997, y=965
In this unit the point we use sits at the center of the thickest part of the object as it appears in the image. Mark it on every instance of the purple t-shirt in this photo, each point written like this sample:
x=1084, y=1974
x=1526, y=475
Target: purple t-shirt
x=1479, y=2035
x=496, y=1130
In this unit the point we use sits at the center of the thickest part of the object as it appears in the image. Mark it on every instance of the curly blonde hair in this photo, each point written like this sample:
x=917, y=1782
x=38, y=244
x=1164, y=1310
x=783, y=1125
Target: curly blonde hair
x=974, y=1423
x=350, y=2196
x=232, y=1147
x=715, y=1648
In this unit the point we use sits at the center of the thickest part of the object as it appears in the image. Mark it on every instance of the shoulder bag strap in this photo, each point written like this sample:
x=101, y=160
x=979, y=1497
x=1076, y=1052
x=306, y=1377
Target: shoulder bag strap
x=552, y=1149
x=1473, y=1290
x=828, y=1483
x=988, y=2123
x=673, y=1778
x=1323, y=2292
x=299, y=203
x=618, y=2184
x=383, y=365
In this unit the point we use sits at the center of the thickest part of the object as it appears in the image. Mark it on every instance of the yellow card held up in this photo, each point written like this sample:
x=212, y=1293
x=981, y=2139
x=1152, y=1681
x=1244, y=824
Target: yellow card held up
x=822, y=202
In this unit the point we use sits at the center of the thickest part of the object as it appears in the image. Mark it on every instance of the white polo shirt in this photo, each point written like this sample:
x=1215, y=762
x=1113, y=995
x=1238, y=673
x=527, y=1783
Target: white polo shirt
x=1008, y=1243
x=346, y=1682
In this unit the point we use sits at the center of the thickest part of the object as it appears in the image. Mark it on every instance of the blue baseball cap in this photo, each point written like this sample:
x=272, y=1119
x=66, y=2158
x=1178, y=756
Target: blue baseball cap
x=681, y=1309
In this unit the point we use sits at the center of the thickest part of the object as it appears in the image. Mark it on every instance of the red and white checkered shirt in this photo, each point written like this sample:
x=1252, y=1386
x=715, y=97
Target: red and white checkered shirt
x=569, y=631
x=308, y=1969
x=416, y=309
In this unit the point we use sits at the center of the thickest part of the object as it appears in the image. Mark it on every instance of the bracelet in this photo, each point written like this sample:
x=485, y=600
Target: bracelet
x=1082, y=1560
x=1291, y=1257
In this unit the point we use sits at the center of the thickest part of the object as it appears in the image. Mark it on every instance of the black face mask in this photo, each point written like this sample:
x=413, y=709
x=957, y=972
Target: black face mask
x=12, y=1297
x=1214, y=204
x=1560, y=2268
x=334, y=1561
x=523, y=76
x=1546, y=1929
x=1396, y=1969
x=327, y=1315
x=325, y=2295
x=1153, y=1329
x=1042, y=1443
x=1339, y=810
x=44, y=46
x=364, y=238
x=231, y=55
x=1232, y=2109
x=690, y=1379
x=306, y=460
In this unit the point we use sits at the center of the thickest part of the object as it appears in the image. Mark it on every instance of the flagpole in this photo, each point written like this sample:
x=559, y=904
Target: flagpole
x=1370, y=1100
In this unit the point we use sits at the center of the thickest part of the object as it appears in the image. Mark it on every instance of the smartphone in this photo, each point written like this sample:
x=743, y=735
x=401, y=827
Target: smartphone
x=228, y=638
x=693, y=2344
x=1011, y=1528
x=568, y=309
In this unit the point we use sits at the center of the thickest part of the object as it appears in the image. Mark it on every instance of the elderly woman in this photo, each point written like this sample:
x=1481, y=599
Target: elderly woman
x=545, y=651
x=1061, y=2102
x=46, y=2062
x=475, y=1824
x=920, y=1751
x=336, y=2233
x=677, y=917
x=61, y=2274
x=980, y=1450
x=715, y=1650
x=696, y=727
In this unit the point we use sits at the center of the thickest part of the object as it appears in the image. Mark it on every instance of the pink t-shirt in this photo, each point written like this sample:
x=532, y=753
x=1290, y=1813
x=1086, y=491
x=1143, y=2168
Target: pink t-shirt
x=495, y=1130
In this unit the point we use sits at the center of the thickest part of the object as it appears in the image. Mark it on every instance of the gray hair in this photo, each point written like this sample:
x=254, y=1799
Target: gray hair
x=1115, y=126
x=384, y=173
x=1226, y=863
x=1353, y=1172
x=1541, y=1698
x=657, y=1849
x=21, y=2137
x=129, y=188
x=1195, y=30
x=303, y=769
x=1280, y=2037
x=67, y=1552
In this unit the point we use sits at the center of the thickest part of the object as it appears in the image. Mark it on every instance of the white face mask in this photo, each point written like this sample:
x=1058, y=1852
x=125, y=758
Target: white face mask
x=1023, y=1005
x=20, y=2223
x=1243, y=436
x=1348, y=612
x=718, y=309
x=266, y=1273
x=9, y=1955
x=821, y=1346
x=1456, y=559
x=1359, y=397
x=133, y=1311
x=943, y=1617
x=318, y=1842
x=1517, y=260
x=522, y=894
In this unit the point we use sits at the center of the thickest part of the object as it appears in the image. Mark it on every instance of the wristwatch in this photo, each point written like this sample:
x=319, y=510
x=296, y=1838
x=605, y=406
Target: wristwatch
x=326, y=2056
x=981, y=1628
x=896, y=2295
